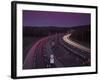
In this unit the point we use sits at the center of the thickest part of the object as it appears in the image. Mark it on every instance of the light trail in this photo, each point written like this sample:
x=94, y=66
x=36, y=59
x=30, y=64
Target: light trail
x=75, y=44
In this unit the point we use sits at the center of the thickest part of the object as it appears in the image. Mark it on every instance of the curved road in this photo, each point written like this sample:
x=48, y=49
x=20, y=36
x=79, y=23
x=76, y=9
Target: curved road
x=66, y=39
x=65, y=55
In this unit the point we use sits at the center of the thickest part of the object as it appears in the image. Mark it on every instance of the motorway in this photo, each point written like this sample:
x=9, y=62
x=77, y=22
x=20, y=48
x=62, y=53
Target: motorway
x=65, y=54
x=68, y=40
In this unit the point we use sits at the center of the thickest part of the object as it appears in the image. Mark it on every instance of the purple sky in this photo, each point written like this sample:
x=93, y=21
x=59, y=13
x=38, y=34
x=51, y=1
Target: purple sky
x=58, y=19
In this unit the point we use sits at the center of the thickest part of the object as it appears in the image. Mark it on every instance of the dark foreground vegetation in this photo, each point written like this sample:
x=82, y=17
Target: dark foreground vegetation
x=82, y=35
x=45, y=31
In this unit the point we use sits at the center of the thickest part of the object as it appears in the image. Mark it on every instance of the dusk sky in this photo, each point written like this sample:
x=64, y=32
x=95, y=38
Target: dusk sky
x=58, y=19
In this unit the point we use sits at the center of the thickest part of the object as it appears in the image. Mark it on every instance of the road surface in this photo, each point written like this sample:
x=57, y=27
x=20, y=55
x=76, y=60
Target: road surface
x=65, y=54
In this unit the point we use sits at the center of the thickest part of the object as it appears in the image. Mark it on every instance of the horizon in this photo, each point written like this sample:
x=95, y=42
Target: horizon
x=59, y=26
